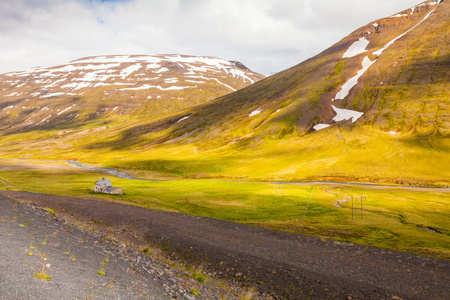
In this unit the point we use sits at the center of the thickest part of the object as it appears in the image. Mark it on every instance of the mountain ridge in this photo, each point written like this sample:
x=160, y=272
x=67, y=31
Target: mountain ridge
x=124, y=84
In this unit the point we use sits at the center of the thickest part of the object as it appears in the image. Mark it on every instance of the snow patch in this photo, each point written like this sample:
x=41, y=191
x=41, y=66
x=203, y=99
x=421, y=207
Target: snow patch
x=52, y=95
x=193, y=81
x=161, y=70
x=321, y=126
x=182, y=119
x=176, y=88
x=255, y=112
x=147, y=86
x=64, y=110
x=346, y=114
x=225, y=85
x=45, y=119
x=399, y=15
x=119, y=59
x=356, y=48
x=345, y=89
x=401, y=35
x=152, y=66
x=126, y=72
x=240, y=74
x=171, y=80
x=76, y=86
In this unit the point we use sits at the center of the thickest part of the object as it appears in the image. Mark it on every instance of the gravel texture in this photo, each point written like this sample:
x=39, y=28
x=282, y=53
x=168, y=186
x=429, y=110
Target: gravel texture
x=282, y=265
x=82, y=264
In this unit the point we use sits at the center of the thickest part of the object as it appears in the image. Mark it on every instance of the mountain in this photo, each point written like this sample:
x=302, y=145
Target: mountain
x=373, y=107
x=106, y=87
x=391, y=74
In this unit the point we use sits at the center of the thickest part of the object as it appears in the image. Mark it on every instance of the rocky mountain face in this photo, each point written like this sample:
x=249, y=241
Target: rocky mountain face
x=95, y=88
x=391, y=74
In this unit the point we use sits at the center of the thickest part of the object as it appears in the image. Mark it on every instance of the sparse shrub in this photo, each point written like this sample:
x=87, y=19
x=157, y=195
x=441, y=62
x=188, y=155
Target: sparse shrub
x=249, y=294
x=198, y=273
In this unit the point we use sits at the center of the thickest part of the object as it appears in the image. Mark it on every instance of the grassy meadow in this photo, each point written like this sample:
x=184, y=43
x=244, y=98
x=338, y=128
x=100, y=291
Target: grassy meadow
x=411, y=220
x=338, y=153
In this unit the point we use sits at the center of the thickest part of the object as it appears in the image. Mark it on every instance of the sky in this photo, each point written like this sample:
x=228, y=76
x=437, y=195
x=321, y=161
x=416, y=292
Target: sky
x=265, y=35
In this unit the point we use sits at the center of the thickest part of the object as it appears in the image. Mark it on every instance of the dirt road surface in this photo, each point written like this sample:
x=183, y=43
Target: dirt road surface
x=82, y=264
x=281, y=264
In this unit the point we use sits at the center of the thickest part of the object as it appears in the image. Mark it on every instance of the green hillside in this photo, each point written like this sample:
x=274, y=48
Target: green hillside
x=268, y=130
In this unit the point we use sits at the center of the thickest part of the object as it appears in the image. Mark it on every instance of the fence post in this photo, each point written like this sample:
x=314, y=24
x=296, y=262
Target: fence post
x=353, y=215
x=361, y=207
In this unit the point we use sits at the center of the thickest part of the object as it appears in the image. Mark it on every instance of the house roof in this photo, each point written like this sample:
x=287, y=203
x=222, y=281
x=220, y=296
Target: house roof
x=104, y=183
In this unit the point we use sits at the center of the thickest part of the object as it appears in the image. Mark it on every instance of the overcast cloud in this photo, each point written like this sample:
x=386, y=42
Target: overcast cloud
x=266, y=35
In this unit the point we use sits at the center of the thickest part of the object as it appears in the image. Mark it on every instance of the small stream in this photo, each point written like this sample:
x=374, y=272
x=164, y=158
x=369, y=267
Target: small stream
x=125, y=176
x=107, y=170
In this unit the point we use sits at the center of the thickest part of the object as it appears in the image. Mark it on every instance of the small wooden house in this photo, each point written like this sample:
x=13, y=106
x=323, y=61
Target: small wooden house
x=104, y=186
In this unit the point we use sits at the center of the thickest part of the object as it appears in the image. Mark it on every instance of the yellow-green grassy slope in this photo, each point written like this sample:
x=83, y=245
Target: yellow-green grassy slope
x=404, y=92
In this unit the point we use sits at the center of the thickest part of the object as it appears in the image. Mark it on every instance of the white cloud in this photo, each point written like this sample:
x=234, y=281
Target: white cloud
x=266, y=35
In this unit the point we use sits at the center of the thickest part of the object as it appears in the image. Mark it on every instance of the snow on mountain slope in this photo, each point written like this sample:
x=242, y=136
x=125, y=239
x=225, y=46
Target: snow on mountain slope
x=382, y=75
x=358, y=48
x=108, y=82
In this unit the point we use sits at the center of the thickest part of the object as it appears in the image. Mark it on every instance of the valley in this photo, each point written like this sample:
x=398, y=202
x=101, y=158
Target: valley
x=389, y=124
x=277, y=252
x=344, y=157
x=395, y=217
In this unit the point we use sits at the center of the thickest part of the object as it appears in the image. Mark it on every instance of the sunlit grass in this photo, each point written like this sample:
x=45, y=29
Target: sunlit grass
x=407, y=220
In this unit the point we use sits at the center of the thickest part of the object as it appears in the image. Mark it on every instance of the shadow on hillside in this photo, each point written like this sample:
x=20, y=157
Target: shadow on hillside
x=434, y=143
x=65, y=121
x=199, y=167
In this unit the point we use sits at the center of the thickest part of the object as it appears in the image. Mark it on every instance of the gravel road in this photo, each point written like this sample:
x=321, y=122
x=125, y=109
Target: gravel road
x=82, y=264
x=281, y=264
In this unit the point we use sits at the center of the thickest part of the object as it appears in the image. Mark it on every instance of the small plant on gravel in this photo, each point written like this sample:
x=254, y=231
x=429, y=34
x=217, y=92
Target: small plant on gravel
x=198, y=273
x=68, y=251
x=44, y=267
x=73, y=259
x=249, y=294
x=195, y=292
x=45, y=241
x=103, y=263
x=51, y=211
